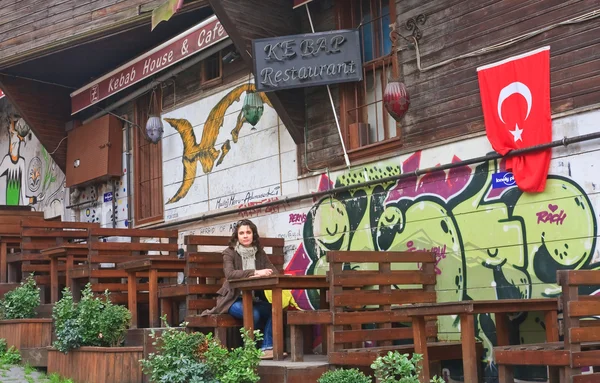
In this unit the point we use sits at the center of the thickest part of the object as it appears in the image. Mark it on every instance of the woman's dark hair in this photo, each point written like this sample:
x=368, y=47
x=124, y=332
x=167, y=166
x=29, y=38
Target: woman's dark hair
x=255, y=237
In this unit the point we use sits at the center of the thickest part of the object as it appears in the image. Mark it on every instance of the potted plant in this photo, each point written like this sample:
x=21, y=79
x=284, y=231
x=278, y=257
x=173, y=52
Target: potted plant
x=398, y=368
x=19, y=325
x=91, y=334
x=193, y=357
x=343, y=375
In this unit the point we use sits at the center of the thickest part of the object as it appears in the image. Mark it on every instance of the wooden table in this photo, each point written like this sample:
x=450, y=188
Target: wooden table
x=69, y=252
x=152, y=265
x=276, y=283
x=466, y=311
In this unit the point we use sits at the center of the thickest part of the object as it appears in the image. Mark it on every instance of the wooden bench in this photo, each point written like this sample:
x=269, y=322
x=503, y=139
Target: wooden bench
x=581, y=344
x=36, y=236
x=109, y=247
x=10, y=233
x=363, y=300
x=204, y=276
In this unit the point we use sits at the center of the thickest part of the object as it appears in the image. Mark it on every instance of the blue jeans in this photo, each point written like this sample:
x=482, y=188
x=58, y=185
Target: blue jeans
x=262, y=318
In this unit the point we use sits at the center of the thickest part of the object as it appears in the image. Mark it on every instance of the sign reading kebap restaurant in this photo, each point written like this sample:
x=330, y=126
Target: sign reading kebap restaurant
x=307, y=60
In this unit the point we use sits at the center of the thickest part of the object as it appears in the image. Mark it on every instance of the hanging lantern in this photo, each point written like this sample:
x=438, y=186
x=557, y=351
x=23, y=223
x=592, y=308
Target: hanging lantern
x=154, y=126
x=396, y=99
x=253, y=107
x=154, y=129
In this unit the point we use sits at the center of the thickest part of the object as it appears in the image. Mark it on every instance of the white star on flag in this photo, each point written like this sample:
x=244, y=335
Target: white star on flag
x=517, y=133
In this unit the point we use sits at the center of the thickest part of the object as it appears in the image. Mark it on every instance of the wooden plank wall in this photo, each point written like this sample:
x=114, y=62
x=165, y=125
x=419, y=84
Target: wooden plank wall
x=445, y=102
x=26, y=26
x=323, y=146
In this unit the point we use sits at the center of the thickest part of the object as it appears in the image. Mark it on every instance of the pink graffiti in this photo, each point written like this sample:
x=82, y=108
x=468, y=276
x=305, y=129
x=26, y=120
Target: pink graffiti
x=440, y=183
x=259, y=210
x=550, y=216
x=297, y=218
x=439, y=251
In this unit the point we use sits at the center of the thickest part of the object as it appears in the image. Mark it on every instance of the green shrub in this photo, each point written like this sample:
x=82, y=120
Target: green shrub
x=21, y=302
x=93, y=321
x=398, y=368
x=178, y=357
x=342, y=375
x=8, y=355
x=238, y=365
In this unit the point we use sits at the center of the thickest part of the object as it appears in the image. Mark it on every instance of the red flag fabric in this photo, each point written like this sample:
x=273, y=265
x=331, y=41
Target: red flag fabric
x=515, y=97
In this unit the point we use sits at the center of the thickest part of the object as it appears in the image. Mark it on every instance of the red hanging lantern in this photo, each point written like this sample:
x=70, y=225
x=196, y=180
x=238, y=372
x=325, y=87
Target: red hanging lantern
x=396, y=99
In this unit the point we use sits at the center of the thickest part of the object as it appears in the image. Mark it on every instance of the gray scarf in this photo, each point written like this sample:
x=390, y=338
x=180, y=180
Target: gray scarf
x=248, y=255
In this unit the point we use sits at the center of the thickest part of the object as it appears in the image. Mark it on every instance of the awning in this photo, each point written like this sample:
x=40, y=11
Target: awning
x=179, y=48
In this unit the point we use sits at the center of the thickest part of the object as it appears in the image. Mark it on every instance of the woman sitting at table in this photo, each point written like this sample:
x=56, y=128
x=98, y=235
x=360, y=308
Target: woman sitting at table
x=245, y=258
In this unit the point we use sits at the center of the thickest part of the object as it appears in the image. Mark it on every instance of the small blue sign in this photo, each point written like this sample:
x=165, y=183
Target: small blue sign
x=108, y=197
x=502, y=180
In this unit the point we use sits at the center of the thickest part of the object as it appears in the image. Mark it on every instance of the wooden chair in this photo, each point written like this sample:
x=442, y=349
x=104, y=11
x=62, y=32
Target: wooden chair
x=363, y=300
x=36, y=236
x=204, y=277
x=581, y=344
x=10, y=234
x=108, y=247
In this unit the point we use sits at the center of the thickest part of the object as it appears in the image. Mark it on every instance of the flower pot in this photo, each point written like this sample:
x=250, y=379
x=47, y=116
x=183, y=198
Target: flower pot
x=98, y=364
x=30, y=336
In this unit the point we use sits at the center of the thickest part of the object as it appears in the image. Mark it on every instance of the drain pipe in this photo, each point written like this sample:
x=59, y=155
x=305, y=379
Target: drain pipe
x=492, y=156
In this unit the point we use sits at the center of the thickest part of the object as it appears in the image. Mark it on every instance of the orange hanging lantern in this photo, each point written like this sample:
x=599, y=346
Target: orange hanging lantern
x=396, y=99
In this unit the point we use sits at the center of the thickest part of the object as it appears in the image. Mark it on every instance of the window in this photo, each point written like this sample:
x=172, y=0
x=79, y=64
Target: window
x=148, y=188
x=363, y=116
x=211, y=70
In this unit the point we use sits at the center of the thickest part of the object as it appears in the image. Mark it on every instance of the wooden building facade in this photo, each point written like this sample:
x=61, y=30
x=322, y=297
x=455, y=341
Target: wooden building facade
x=213, y=167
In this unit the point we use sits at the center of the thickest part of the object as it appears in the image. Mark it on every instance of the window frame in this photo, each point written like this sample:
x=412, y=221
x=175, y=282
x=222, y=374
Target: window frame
x=204, y=83
x=139, y=139
x=348, y=92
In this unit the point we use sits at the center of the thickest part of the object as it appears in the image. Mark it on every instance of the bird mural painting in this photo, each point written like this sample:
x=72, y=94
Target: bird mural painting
x=205, y=152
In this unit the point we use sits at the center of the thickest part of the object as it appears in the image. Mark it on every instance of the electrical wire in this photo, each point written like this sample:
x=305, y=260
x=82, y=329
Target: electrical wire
x=505, y=44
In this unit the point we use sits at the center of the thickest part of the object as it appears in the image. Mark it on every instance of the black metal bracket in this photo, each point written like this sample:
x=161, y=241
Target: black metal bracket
x=413, y=23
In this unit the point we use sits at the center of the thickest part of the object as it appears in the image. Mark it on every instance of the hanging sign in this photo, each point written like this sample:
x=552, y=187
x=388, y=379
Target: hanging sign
x=307, y=60
x=196, y=39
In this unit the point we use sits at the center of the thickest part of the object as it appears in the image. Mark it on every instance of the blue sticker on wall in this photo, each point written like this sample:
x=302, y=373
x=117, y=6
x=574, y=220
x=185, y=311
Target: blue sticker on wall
x=502, y=180
x=108, y=197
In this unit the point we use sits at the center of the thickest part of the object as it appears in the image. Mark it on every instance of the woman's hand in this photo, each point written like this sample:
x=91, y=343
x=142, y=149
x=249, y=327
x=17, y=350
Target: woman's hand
x=263, y=273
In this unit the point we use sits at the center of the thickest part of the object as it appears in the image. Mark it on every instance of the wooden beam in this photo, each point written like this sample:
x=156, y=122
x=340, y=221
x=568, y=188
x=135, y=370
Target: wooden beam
x=45, y=108
x=245, y=20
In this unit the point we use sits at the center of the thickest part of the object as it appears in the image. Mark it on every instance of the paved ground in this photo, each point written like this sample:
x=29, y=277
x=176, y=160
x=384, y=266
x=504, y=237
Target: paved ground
x=16, y=374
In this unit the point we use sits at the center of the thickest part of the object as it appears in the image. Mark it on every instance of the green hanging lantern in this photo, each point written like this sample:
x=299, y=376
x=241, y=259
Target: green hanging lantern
x=253, y=107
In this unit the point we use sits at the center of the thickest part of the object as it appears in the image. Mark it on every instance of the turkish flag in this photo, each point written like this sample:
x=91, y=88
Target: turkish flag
x=515, y=97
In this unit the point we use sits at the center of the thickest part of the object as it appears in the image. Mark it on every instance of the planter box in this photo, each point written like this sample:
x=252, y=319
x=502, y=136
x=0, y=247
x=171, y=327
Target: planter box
x=31, y=337
x=98, y=364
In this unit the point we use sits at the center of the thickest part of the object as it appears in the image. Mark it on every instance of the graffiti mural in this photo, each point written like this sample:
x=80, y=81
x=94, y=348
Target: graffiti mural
x=30, y=176
x=490, y=243
x=205, y=152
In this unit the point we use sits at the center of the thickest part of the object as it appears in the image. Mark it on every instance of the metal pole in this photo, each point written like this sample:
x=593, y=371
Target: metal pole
x=337, y=122
x=492, y=156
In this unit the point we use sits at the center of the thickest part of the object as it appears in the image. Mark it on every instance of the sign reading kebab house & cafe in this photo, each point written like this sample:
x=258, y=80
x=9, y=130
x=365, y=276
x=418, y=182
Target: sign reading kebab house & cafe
x=207, y=33
x=307, y=60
